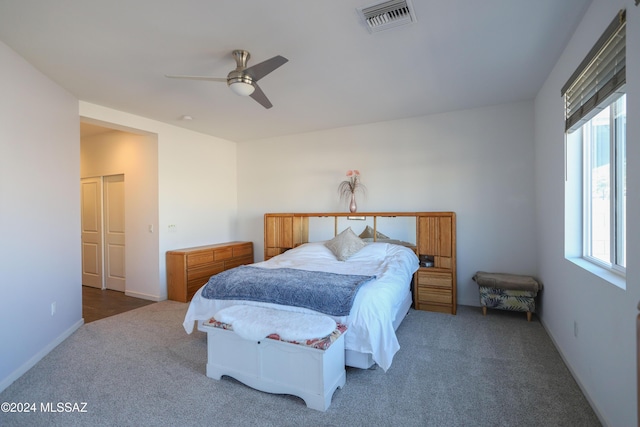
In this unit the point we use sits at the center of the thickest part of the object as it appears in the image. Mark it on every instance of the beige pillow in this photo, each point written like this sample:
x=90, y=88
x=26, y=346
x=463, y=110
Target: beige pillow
x=345, y=244
x=367, y=233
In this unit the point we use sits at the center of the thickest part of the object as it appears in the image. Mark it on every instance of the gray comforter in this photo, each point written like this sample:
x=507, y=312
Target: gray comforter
x=327, y=293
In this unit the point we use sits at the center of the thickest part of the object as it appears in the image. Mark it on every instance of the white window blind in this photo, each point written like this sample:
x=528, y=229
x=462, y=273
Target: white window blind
x=599, y=77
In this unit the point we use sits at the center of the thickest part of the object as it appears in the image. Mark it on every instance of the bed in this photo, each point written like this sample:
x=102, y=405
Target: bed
x=379, y=305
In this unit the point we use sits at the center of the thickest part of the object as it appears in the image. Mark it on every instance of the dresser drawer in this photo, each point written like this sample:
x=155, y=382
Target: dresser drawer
x=243, y=250
x=199, y=258
x=205, y=271
x=440, y=280
x=434, y=295
x=223, y=253
x=238, y=262
x=194, y=285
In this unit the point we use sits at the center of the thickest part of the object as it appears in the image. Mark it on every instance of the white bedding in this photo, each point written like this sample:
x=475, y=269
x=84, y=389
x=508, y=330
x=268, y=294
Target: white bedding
x=371, y=319
x=256, y=323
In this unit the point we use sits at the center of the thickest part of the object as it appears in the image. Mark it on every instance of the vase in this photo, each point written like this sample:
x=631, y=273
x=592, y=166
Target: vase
x=352, y=204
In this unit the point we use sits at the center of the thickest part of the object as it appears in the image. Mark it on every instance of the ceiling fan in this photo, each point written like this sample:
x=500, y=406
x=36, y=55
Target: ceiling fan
x=244, y=81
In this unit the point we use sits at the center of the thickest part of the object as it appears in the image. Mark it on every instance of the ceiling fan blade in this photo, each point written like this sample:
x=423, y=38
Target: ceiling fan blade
x=212, y=79
x=260, y=97
x=260, y=70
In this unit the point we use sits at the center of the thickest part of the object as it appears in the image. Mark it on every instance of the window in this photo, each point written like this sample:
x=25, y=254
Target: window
x=605, y=186
x=596, y=118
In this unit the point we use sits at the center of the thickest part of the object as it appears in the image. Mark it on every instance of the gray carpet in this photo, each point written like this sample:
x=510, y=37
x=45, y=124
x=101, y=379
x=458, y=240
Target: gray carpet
x=141, y=369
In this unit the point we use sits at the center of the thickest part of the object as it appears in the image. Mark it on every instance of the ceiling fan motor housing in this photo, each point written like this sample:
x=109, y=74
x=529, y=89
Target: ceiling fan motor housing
x=241, y=57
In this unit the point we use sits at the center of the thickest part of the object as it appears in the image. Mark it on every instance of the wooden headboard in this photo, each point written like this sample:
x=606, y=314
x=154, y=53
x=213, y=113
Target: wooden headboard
x=432, y=235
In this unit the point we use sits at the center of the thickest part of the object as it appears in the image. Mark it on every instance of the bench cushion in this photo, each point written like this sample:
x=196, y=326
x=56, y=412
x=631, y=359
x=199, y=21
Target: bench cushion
x=513, y=282
x=255, y=323
x=317, y=343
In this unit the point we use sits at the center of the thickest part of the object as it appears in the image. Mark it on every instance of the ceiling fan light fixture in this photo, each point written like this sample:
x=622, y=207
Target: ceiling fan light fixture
x=242, y=88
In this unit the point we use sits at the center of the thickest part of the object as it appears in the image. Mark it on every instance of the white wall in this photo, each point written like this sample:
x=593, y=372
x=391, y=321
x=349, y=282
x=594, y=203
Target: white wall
x=40, y=207
x=39, y=216
x=135, y=156
x=477, y=163
x=603, y=355
x=197, y=189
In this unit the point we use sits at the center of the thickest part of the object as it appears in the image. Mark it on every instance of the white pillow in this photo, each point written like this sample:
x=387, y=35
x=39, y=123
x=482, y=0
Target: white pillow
x=372, y=252
x=345, y=244
x=314, y=250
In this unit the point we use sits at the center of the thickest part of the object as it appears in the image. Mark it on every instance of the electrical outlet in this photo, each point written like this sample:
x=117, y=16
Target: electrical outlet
x=53, y=308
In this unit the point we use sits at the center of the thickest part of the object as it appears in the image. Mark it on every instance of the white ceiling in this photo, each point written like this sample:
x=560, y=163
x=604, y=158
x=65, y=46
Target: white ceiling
x=460, y=54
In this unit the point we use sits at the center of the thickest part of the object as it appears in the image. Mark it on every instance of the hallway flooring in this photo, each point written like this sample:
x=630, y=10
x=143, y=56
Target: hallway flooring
x=98, y=304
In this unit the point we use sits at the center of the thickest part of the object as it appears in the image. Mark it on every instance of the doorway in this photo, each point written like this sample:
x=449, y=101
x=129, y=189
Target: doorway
x=108, y=150
x=103, y=232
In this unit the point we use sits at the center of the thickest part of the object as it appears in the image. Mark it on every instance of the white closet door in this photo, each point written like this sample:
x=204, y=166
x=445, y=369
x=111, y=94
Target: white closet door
x=91, y=234
x=114, y=235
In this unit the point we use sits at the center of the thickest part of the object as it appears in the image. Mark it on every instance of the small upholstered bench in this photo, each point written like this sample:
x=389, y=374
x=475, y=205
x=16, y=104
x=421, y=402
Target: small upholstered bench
x=507, y=292
x=311, y=369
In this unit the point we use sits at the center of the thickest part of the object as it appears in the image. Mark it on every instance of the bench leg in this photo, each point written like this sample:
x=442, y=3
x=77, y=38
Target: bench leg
x=528, y=316
x=484, y=310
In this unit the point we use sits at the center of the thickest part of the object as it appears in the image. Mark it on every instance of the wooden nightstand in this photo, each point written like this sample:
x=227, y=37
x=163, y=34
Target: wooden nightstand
x=434, y=290
x=435, y=287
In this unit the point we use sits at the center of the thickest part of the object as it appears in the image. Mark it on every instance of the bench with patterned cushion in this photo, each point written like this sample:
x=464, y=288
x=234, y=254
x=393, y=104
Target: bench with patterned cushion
x=507, y=292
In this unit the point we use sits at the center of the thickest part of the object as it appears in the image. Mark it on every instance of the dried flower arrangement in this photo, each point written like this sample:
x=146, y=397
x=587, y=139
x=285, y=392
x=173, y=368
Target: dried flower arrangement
x=347, y=188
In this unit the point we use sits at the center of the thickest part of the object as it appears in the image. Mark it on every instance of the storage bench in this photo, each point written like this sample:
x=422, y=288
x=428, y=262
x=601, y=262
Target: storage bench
x=311, y=369
x=507, y=292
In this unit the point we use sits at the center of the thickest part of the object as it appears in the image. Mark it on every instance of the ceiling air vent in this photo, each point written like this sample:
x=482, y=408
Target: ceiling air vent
x=386, y=15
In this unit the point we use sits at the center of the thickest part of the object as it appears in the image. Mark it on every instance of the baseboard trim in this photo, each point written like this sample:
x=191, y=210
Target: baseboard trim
x=143, y=296
x=6, y=382
x=573, y=373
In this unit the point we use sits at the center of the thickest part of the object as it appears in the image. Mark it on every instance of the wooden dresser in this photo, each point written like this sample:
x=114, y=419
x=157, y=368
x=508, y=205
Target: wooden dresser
x=190, y=268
